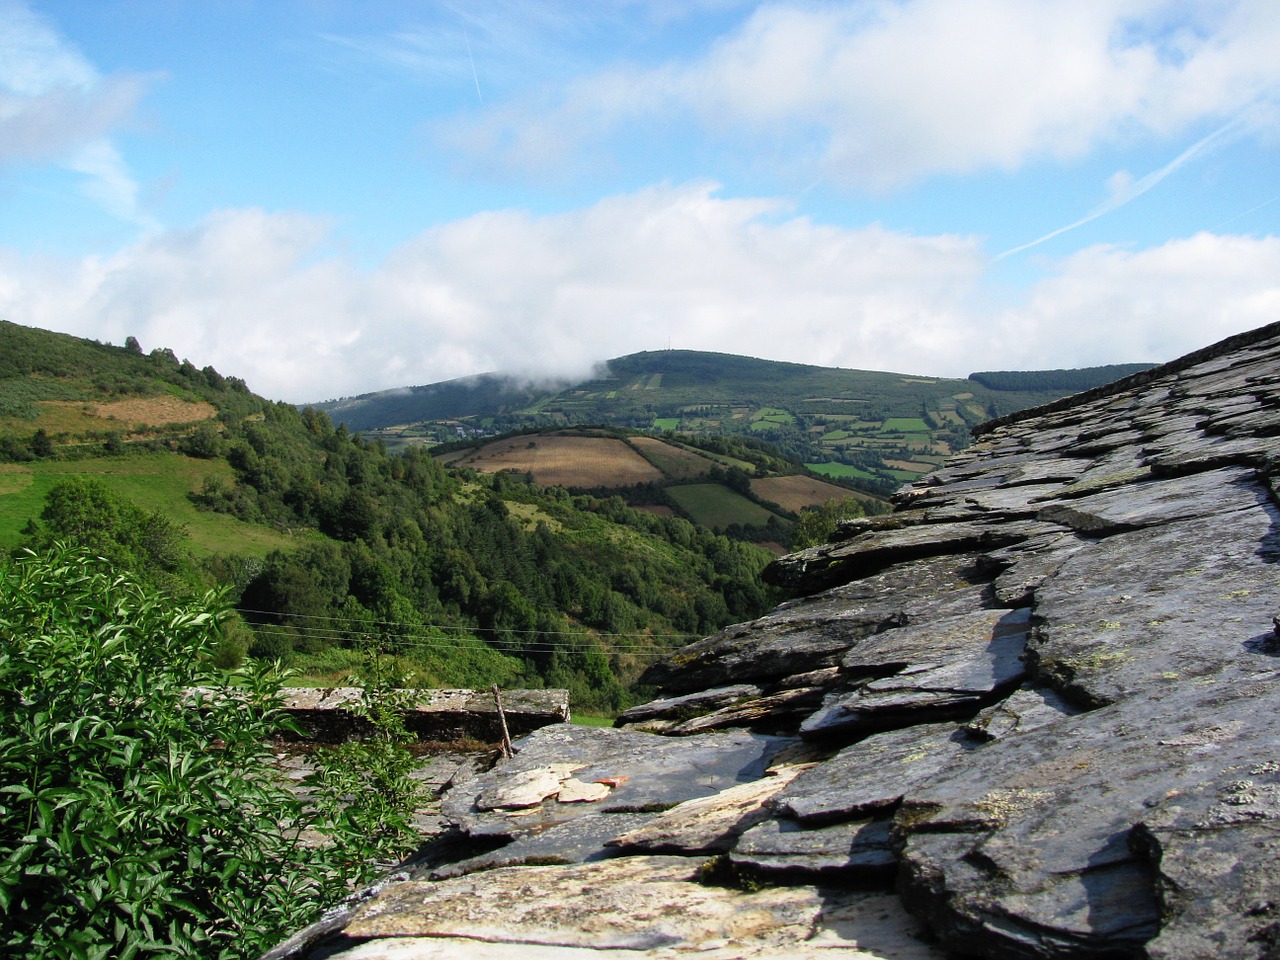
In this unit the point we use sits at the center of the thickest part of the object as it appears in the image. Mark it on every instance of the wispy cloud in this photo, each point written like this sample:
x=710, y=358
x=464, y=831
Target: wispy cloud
x=883, y=93
x=1124, y=189
x=56, y=107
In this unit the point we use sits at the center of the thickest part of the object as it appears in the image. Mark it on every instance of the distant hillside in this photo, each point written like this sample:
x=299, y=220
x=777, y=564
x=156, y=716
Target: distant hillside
x=329, y=544
x=1068, y=381
x=734, y=485
x=877, y=430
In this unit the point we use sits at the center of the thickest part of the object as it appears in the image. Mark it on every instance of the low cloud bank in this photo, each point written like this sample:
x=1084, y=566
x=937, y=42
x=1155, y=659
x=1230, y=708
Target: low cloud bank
x=271, y=298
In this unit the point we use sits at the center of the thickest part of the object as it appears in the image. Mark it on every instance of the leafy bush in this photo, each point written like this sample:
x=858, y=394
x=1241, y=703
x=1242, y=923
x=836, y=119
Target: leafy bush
x=817, y=523
x=141, y=814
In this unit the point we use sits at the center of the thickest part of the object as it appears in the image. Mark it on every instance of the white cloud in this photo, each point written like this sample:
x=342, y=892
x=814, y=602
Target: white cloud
x=1110, y=305
x=55, y=106
x=264, y=296
x=882, y=92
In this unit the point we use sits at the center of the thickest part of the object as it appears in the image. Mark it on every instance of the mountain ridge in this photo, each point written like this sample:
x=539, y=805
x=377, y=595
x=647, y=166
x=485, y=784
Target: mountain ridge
x=873, y=428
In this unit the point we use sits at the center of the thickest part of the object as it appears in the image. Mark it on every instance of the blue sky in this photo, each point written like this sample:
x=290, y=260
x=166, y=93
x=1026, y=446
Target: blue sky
x=328, y=197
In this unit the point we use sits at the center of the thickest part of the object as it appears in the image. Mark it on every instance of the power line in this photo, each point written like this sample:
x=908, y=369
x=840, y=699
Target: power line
x=337, y=629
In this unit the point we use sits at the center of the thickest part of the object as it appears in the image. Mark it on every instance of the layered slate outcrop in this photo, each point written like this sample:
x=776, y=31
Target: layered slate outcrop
x=1035, y=707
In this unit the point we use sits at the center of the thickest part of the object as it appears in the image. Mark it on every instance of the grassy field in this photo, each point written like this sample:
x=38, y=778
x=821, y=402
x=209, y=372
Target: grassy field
x=154, y=481
x=716, y=506
x=676, y=462
x=840, y=470
x=905, y=425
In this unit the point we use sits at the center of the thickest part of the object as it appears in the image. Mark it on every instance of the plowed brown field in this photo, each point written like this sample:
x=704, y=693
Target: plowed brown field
x=568, y=461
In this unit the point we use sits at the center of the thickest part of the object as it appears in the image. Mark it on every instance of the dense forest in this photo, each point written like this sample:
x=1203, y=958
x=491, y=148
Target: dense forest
x=467, y=579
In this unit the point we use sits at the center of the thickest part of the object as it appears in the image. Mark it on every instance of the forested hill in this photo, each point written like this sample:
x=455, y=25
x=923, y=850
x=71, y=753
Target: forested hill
x=1068, y=381
x=329, y=544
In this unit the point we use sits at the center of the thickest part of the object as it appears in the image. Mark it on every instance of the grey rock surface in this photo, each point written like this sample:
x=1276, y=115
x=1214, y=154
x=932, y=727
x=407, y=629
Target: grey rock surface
x=1035, y=707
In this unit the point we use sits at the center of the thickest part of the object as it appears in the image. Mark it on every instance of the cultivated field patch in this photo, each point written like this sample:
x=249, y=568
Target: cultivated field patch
x=76, y=417
x=796, y=492
x=716, y=506
x=676, y=462
x=565, y=461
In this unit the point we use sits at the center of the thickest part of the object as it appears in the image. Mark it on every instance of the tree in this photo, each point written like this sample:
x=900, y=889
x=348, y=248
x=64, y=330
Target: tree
x=41, y=445
x=816, y=524
x=85, y=511
x=139, y=818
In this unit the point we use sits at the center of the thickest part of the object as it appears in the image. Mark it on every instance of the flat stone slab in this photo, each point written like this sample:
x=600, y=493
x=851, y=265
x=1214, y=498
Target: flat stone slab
x=324, y=714
x=708, y=824
x=853, y=851
x=869, y=778
x=1179, y=603
x=646, y=772
x=829, y=565
x=813, y=633
x=937, y=670
x=634, y=908
x=1152, y=502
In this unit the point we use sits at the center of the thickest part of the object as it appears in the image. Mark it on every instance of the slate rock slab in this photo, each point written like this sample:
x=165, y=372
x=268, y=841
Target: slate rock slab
x=937, y=670
x=638, y=908
x=855, y=851
x=1179, y=603
x=813, y=633
x=870, y=777
x=708, y=824
x=651, y=773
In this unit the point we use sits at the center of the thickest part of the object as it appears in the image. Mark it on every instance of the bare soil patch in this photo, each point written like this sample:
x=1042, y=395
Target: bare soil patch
x=566, y=461
x=154, y=411
x=796, y=492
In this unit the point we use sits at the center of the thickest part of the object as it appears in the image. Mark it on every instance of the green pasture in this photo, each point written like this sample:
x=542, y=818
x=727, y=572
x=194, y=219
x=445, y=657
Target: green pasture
x=905, y=425
x=776, y=414
x=842, y=470
x=153, y=481
x=666, y=423
x=716, y=506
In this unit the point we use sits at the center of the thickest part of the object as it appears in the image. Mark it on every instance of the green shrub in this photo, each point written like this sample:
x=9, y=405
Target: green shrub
x=140, y=814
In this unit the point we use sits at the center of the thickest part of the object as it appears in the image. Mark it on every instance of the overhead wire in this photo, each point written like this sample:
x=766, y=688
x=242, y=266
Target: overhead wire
x=337, y=629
